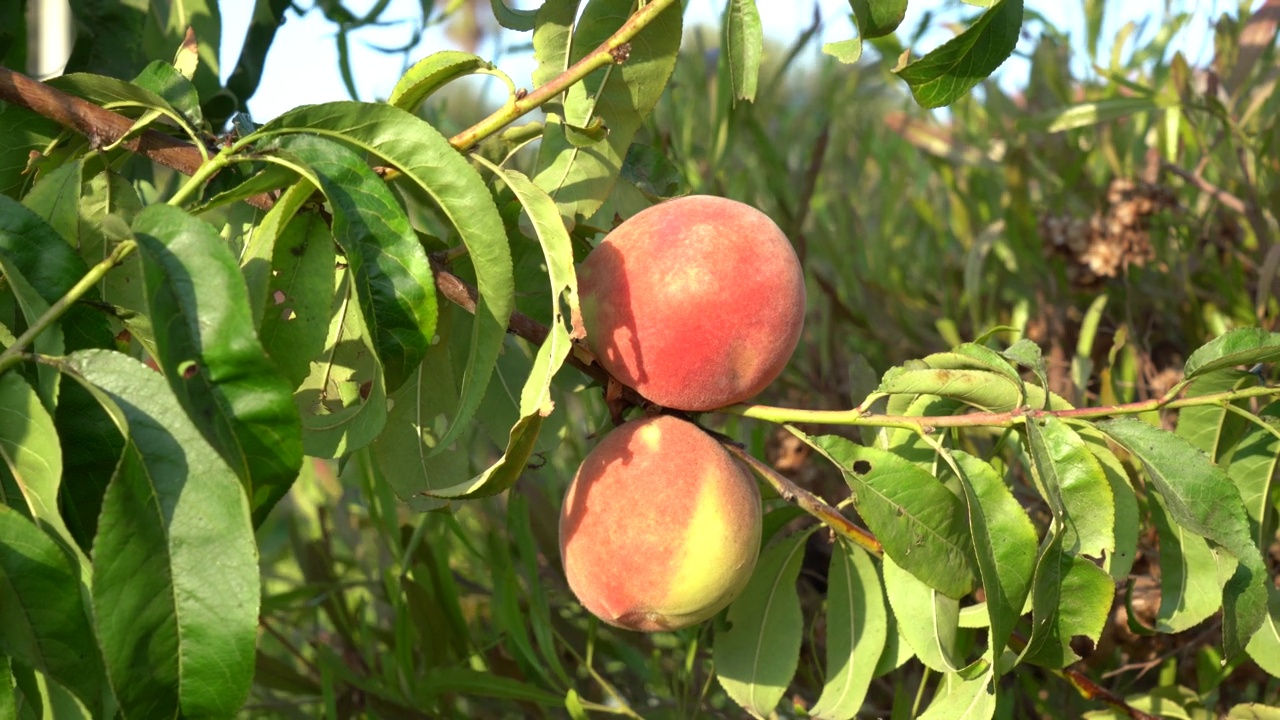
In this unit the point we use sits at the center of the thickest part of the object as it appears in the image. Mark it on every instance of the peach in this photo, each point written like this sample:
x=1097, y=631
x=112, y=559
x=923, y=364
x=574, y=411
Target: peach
x=660, y=528
x=696, y=302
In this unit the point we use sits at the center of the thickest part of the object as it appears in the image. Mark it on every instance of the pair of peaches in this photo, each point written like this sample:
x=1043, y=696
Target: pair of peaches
x=695, y=303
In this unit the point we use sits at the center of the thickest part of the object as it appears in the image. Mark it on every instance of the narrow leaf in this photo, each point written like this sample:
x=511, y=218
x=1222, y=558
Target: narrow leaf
x=167, y=536
x=951, y=70
x=437, y=70
x=512, y=18
x=1190, y=590
x=1264, y=646
x=744, y=44
x=988, y=391
x=55, y=197
x=211, y=355
x=757, y=655
x=1072, y=597
x=856, y=630
x=973, y=699
x=295, y=318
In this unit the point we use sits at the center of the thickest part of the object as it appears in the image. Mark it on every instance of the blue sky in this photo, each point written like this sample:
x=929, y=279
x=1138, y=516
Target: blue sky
x=302, y=66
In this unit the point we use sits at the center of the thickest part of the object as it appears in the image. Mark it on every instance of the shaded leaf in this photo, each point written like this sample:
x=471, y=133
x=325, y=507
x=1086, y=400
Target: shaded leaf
x=1264, y=646
x=965, y=699
x=877, y=18
x=43, y=622
x=50, y=340
x=389, y=269
x=296, y=315
x=619, y=96
x=512, y=18
x=427, y=160
x=1072, y=597
x=211, y=356
x=1090, y=113
x=166, y=536
x=22, y=132
x=55, y=198
x=945, y=74
x=988, y=391
x=1213, y=428
x=756, y=656
x=1190, y=590
x=856, y=630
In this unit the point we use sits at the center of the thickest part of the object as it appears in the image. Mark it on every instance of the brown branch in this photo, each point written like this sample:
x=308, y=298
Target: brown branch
x=1228, y=200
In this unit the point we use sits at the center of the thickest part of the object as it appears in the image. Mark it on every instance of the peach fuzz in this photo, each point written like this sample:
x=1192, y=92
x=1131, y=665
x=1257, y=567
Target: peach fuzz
x=696, y=302
x=660, y=528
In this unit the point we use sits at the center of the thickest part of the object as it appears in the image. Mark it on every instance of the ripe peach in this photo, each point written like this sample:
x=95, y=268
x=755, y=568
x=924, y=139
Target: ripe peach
x=697, y=302
x=660, y=528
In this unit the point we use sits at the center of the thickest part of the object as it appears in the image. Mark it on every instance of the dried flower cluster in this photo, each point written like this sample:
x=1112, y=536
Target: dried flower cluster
x=1111, y=239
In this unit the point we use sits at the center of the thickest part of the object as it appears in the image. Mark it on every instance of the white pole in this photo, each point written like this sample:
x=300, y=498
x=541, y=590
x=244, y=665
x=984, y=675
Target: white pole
x=50, y=35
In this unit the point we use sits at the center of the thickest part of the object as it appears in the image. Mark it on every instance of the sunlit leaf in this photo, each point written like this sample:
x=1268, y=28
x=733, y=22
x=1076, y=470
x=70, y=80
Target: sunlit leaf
x=744, y=44
x=946, y=73
x=920, y=523
x=437, y=70
x=877, y=18
x=1074, y=485
x=989, y=391
x=1190, y=590
x=1242, y=346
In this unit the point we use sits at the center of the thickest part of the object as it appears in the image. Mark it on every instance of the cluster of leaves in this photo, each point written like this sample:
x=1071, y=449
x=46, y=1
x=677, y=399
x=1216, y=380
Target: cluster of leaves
x=290, y=296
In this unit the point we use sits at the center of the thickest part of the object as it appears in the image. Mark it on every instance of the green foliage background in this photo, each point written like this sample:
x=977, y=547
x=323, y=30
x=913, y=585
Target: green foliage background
x=1077, y=243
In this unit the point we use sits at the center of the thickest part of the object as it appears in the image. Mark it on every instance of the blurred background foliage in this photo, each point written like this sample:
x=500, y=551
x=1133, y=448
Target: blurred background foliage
x=1118, y=219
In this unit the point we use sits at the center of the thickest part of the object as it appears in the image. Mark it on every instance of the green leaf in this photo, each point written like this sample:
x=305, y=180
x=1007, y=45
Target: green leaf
x=552, y=35
x=927, y=619
x=427, y=160
x=973, y=699
x=1004, y=543
x=619, y=96
x=920, y=523
x=856, y=630
x=945, y=74
x=114, y=94
x=55, y=197
x=535, y=398
x=465, y=681
x=51, y=266
x=437, y=70
x=295, y=319
x=1073, y=483
x=1072, y=596
x=846, y=51
x=343, y=401
x=988, y=391
x=1128, y=521
x=756, y=657
x=108, y=207
x=163, y=79
x=1254, y=463
x=1190, y=590
x=877, y=18
x=512, y=18
x=22, y=132
x=1264, y=646
x=167, y=536
x=1213, y=428
x=1086, y=114
x=744, y=44
x=211, y=356
x=1201, y=498
x=31, y=453
x=49, y=342
x=43, y=622
x=1253, y=711
x=258, y=259
x=1242, y=346
x=91, y=446
x=390, y=271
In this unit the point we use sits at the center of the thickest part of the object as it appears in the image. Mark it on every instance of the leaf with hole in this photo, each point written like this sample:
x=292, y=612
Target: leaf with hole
x=211, y=356
x=1073, y=483
x=428, y=161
